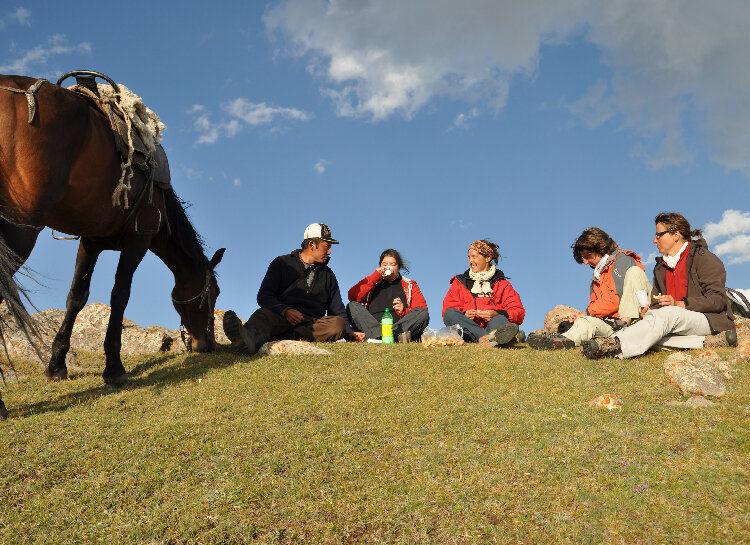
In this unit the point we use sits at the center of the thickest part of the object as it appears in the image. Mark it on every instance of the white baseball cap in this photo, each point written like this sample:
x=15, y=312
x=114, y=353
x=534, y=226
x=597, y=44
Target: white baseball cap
x=321, y=231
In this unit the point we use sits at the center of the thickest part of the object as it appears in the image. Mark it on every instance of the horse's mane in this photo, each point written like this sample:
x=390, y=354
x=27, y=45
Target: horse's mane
x=182, y=229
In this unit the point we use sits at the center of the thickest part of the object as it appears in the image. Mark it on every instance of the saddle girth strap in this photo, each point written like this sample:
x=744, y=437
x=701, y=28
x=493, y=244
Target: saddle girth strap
x=29, y=96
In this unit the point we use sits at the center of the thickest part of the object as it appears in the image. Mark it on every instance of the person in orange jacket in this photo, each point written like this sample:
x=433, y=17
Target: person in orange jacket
x=618, y=275
x=387, y=288
x=482, y=301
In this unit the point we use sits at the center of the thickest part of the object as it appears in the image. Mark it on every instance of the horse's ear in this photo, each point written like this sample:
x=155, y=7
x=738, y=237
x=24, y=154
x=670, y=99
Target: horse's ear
x=216, y=259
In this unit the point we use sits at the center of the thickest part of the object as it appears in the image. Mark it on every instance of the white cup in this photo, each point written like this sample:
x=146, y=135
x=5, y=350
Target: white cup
x=387, y=271
x=642, y=297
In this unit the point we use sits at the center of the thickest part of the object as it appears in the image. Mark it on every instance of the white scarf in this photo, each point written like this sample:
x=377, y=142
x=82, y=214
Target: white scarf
x=482, y=287
x=600, y=266
x=671, y=260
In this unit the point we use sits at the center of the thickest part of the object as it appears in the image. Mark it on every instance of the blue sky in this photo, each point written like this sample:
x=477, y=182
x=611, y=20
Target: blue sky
x=421, y=126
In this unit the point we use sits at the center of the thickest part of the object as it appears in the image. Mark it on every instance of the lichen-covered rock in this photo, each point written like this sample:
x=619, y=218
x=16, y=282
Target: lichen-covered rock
x=694, y=376
x=88, y=335
x=219, y=334
x=291, y=348
x=604, y=401
x=558, y=314
x=716, y=341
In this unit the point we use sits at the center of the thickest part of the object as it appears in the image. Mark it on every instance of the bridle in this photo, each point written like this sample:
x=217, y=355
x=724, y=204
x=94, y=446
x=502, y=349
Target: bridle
x=203, y=296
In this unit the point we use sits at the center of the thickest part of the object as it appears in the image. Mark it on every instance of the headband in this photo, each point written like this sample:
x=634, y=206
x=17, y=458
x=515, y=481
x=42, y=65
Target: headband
x=481, y=247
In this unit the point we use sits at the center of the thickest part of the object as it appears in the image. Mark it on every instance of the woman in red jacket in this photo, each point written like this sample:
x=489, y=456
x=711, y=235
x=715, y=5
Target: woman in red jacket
x=386, y=288
x=482, y=301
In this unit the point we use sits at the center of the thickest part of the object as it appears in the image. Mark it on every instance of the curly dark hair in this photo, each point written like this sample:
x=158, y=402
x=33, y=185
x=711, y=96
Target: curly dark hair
x=593, y=241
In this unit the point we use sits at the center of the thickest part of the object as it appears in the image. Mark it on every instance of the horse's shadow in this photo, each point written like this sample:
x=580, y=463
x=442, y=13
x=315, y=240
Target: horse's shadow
x=192, y=367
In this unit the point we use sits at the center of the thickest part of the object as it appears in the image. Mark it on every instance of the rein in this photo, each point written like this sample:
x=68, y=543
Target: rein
x=30, y=98
x=203, y=297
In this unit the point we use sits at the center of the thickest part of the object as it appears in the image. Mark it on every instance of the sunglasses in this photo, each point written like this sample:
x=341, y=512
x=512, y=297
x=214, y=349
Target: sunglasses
x=658, y=235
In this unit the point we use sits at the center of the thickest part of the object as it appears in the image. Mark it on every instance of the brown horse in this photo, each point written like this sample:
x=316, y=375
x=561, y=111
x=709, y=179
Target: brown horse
x=60, y=170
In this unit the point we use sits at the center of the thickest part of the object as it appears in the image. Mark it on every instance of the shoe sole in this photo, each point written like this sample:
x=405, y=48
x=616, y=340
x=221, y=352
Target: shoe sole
x=506, y=333
x=232, y=324
x=590, y=350
x=542, y=342
x=238, y=334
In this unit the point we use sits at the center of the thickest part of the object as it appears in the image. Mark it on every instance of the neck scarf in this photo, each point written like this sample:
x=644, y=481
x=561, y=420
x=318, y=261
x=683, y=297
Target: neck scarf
x=482, y=286
x=600, y=267
x=671, y=260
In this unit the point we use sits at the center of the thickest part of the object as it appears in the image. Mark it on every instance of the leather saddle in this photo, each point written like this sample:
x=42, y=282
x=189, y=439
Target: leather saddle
x=153, y=164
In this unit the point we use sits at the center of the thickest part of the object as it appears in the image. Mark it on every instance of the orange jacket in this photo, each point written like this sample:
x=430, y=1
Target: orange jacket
x=605, y=300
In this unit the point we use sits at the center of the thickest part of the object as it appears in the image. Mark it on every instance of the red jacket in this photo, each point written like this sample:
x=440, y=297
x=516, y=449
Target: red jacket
x=605, y=301
x=362, y=291
x=504, y=298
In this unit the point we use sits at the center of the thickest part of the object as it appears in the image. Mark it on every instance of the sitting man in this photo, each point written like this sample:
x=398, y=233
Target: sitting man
x=299, y=289
x=618, y=275
x=688, y=298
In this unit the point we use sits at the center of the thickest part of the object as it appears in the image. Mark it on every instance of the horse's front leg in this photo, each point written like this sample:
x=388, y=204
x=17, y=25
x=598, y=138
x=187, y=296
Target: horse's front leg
x=88, y=253
x=130, y=257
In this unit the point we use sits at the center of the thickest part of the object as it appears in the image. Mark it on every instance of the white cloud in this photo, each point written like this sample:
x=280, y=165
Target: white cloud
x=260, y=113
x=241, y=113
x=672, y=62
x=460, y=224
x=22, y=16
x=735, y=227
x=237, y=182
x=651, y=259
x=41, y=54
x=462, y=119
x=321, y=165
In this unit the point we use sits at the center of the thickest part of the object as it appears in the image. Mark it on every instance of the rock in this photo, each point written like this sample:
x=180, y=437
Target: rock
x=716, y=341
x=558, y=314
x=88, y=335
x=219, y=334
x=695, y=402
x=694, y=376
x=604, y=401
x=699, y=401
x=291, y=348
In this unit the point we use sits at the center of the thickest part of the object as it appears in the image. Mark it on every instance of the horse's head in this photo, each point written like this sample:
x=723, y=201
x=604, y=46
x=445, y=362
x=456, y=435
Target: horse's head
x=197, y=312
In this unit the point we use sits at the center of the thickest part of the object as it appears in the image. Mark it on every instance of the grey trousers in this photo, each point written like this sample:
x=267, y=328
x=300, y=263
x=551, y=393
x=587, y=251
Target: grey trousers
x=472, y=330
x=415, y=321
x=656, y=325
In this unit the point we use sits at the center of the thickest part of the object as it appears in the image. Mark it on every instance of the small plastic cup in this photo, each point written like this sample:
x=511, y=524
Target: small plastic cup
x=642, y=297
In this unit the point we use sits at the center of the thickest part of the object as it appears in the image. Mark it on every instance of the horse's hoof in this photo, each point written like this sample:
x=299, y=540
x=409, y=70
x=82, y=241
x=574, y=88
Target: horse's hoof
x=59, y=374
x=118, y=380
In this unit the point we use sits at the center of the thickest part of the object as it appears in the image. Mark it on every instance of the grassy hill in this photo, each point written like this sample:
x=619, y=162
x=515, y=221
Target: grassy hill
x=373, y=444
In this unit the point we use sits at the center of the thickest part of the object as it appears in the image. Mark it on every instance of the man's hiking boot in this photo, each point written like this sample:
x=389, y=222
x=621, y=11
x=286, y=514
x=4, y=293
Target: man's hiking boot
x=404, y=337
x=600, y=347
x=245, y=339
x=503, y=335
x=549, y=341
x=521, y=336
x=731, y=335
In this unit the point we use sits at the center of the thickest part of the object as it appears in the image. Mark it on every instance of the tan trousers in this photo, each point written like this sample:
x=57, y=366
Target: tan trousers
x=635, y=280
x=586, y=328
x=656, y=325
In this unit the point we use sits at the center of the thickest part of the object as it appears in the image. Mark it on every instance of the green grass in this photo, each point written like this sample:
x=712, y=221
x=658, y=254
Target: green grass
x=373, y=444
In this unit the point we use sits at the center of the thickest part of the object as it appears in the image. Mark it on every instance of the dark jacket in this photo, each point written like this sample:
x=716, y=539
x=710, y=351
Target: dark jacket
x=285, y=286
x=705, y=285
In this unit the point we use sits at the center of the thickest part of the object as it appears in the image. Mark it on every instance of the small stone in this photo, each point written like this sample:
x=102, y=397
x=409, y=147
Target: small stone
x=291, y=348
x=699, y=401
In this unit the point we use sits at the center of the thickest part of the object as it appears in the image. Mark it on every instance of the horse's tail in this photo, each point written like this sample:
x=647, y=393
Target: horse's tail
x=12, y=293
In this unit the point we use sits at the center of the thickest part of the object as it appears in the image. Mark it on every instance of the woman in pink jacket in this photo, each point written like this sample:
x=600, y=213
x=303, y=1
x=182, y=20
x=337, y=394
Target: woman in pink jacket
x=482, y=301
